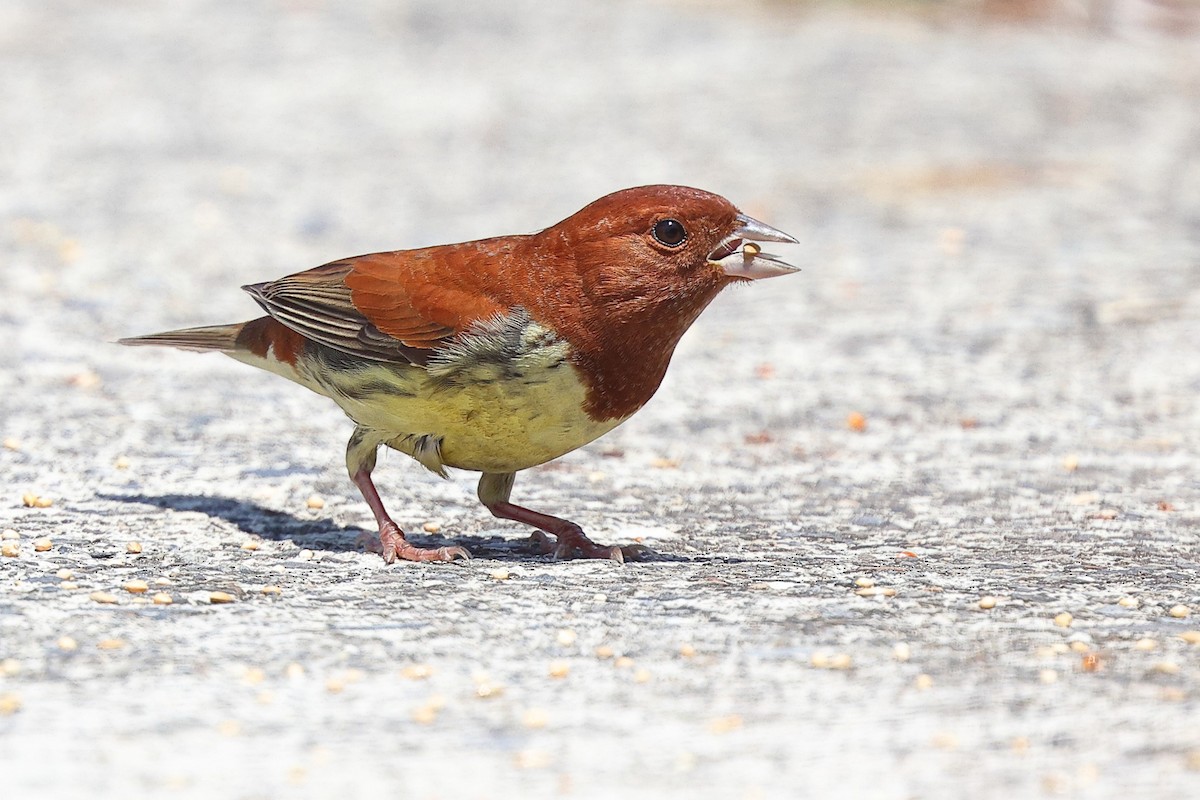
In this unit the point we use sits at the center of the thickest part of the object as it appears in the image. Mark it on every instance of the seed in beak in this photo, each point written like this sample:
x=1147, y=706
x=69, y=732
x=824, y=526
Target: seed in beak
x=750, y=250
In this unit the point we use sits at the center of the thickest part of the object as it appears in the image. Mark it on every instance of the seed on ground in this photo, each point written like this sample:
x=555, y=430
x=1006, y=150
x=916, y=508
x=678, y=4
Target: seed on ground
x=12, y=443
x=67, y=643
x=535, y=718
x=1064, y=619
x=424, y=714
x=856, y=421
x=9, y=667
x=1128, y=602
x=133, y=548
x=121, y=463
x=1180, y=611
x=10, y=703
x=924, y=681
x=9, y=534
x=566, y=637
x=136, y=586
x=686, y=650
x=1191, y=637
x=864, y=583
x=271, y=589
x=315, y=501
x=1080, y=647
x=500, y=574
x=220, y=597
x=68, y=586
x=33, y=500
x=251, y=545
x=987, y=602
x=110, y=644
x=1145, y=644
x=334, y=684
x=431, y=527
x=162, y=599
x=487, y=689
x=559, y=669
x=1166, y=667
x=43, y=544
x=64, y=574
x=1048, y=676
x=725, y=724
x=10, y=549
x=294, y=671
x=305, y=555
x=103, y=597
x=641, y=675
x=624, y=662
x=901, y=651
x=604, y=651
x=416, y=672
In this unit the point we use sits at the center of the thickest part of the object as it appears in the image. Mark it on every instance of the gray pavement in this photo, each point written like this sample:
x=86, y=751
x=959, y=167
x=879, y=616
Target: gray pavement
x=1000, y=227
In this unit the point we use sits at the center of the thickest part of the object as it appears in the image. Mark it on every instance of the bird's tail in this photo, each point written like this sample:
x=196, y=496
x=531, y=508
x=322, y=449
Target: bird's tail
x=221, y=338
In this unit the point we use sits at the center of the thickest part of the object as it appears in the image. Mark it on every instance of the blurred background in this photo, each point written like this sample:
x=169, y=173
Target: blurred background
x=989, y=361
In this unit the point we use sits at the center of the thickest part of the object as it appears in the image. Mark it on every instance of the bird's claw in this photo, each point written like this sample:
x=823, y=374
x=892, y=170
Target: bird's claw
x=392, y=545
x=570, y=544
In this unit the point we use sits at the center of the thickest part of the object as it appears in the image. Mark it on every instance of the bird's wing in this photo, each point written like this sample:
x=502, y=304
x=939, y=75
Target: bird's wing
x=383, y=306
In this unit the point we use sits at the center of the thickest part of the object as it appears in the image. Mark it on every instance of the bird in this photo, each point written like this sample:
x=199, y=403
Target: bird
x=500, y=354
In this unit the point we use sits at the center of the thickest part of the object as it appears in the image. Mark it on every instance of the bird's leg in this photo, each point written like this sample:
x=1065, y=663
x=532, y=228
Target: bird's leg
x=360, y=460
x=494, y=491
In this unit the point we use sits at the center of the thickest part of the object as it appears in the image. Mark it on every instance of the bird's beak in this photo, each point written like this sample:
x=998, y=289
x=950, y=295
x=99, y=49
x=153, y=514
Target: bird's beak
x=739, y=257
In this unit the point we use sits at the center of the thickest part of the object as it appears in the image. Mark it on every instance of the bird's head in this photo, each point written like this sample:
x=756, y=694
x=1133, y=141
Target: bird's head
x=639, y=240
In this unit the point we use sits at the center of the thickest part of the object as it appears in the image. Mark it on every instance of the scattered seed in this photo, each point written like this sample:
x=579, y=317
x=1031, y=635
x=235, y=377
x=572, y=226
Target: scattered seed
x=864, y=583
x=1193, y=761
x=1191, y=637
x=133, y=548
x=876, y=591
x=424, y=714
x=431, y=527
x=665, y=463
x=566, y=637
x=1128, y=602
x=136, y=586
x=220, y=597
x=535, y=718
x=32, y=500
x=604, y=651
x=161, y=581
x=10, y=703
x=9, y=667
x=110, y=644
x=532, y=759
x=1180, y=611
x=559, y=669
x=856, y=421
x=1080, y=647
x=1145, y=644
x=305, y=555
x=103, y=597
x=67, y=643
x=901, y=651
x=987, y=602
x=334, y=685
x=265, y=697
x=9, y=534
x=416, y=672
x=1064, y=619
x=64, y=574
x=1047, y=676
x=271, y=588
x=924, y=681
x=686, y=650
x=254, y=675
x=1070, y=463
x=487, y=689
x=624, y=662
x=68, y=586
x=12, y=443
x=43, y=544
x=726, y=724
x=500, y=574
x=10, y=549
x=1020, y=744
x=251, y=545
x=1106, y=513
x=1166, y=667
x=162, y=599
x=315, y=501
x=641, y=675
x=294, y=671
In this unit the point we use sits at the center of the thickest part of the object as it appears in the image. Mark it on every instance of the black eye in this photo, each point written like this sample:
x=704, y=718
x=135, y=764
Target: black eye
x=670, y=232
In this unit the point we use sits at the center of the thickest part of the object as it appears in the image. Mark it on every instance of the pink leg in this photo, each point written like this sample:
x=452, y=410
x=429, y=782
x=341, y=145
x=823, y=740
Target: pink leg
x=391, y=537
x=570, y=536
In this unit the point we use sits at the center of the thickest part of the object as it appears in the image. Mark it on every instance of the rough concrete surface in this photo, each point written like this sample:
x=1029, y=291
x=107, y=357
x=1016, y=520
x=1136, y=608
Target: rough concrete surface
x=1000, y=227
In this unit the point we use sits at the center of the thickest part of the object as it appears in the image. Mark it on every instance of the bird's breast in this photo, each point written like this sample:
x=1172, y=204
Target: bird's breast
x=502, y=397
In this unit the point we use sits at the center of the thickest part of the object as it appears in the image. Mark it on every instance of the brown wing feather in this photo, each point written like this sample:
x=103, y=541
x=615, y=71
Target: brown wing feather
x=383, y=306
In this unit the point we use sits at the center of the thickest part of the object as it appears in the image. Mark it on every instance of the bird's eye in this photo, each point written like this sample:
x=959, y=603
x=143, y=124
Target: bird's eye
x=670, y=232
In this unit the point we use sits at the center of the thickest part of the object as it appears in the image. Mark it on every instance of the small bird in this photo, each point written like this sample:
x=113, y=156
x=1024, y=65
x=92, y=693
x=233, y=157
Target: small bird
x=500, y=354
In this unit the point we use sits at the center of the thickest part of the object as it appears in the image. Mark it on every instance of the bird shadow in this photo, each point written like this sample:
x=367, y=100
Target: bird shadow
x=325, y=534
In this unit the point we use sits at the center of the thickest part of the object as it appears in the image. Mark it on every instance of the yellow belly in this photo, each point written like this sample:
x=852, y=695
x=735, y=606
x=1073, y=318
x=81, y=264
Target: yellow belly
x=503, y=398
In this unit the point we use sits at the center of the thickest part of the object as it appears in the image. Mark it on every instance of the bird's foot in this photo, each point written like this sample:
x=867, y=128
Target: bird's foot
x=392, y=545
x=575, y=541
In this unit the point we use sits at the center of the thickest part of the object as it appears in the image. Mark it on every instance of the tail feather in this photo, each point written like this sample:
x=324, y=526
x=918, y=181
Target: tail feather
x=222, y=338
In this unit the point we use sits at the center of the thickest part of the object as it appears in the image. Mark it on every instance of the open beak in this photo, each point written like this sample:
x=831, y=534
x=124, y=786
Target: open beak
x=740, y=257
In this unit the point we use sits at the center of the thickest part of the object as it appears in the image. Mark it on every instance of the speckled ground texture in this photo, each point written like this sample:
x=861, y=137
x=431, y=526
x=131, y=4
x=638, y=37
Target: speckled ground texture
x=1000, y=234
